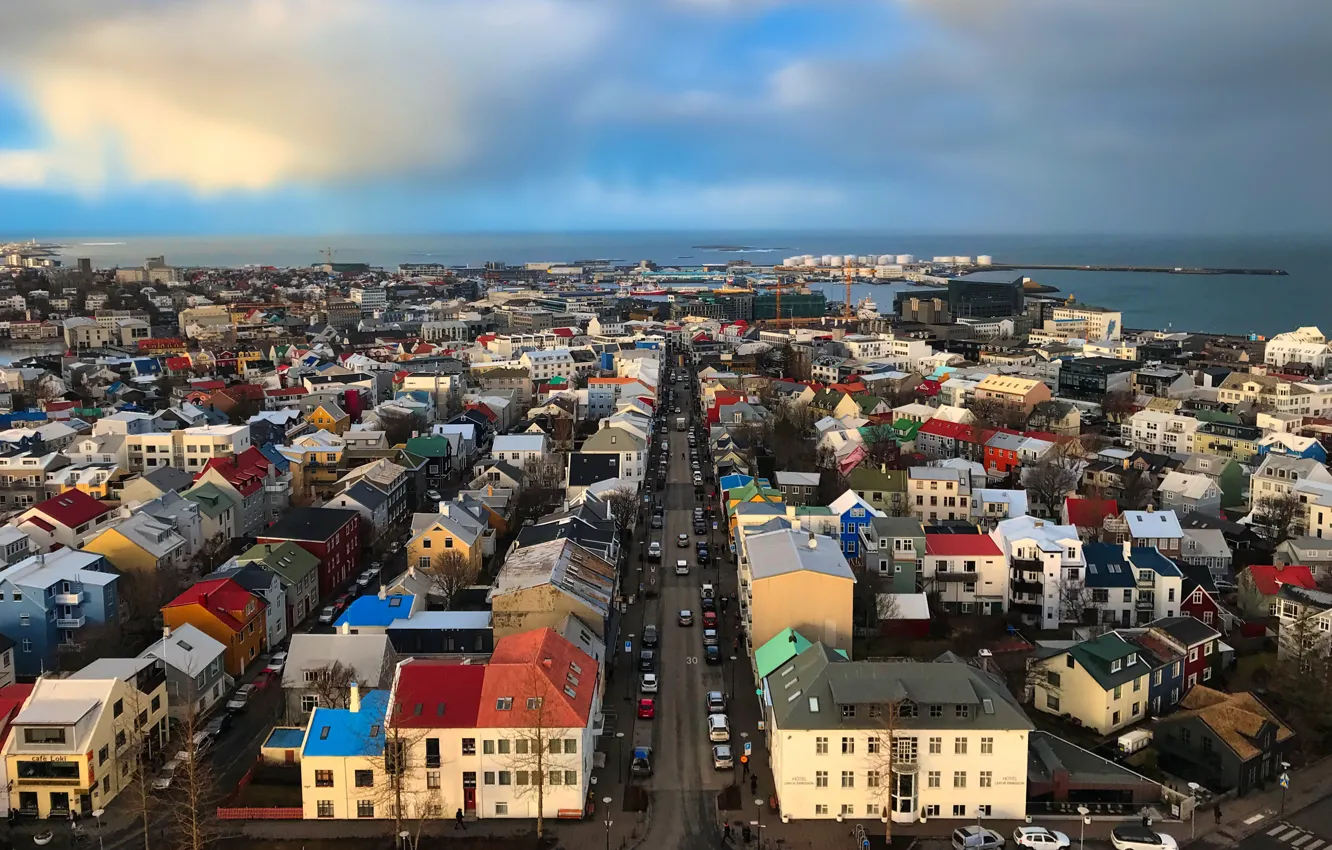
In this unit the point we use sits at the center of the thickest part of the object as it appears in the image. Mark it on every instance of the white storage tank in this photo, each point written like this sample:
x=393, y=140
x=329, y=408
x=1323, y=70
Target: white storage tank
x=884, y=260
x=942, y=259
x=826, y=260
x=905, y=259
x=984, y=260
x=863, y=260
x=811, y=262
x=835, y=261
x=962, y=261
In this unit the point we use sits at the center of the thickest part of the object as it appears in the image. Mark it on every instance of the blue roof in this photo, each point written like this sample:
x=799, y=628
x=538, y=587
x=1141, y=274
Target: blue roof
x=341, y=732
x=285, y=738
x=1107, y=567
x=278, y=459
x=373, y=611
x=731, y=482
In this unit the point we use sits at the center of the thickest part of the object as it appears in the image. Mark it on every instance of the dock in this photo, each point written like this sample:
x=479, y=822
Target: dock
x=1152, y=269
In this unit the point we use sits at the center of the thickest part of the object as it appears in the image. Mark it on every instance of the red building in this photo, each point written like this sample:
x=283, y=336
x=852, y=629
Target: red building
x=1001, y=451
x=332, y=535
x=1199, y=596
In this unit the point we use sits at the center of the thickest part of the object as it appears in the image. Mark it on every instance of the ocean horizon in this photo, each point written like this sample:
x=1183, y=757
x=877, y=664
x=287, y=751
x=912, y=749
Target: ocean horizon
x=1232, y=304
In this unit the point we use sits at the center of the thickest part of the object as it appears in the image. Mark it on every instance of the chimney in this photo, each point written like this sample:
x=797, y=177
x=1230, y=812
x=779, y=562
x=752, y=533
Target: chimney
x=813, y=541
x=547, y=663
x=166, y=631
x=1128, y=549
x=345, y=629
x=383, y=594
x=354, y=699
x=1151, y=508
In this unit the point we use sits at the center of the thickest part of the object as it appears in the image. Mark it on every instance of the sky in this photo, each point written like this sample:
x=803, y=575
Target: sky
x=415, y=116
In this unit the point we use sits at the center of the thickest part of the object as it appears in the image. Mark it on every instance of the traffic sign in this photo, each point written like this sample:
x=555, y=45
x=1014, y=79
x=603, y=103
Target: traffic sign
x=749, y=747
x=628, y=646
x=1285, y=780
x=744, y=759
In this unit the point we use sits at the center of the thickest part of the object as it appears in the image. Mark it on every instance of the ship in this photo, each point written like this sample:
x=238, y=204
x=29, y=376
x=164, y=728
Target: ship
x=867, y=309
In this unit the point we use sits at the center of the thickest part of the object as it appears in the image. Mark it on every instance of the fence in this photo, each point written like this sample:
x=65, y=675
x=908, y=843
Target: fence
x=224, y=813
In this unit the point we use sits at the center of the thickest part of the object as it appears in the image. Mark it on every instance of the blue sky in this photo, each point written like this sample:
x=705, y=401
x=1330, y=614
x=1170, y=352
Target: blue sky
x=318, y=116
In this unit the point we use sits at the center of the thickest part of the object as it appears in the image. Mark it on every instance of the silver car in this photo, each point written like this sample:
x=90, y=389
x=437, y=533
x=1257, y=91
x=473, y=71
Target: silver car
x=722, y=758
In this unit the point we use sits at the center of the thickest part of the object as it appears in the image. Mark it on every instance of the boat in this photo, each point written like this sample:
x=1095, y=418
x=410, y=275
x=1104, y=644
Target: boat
x=867, y=309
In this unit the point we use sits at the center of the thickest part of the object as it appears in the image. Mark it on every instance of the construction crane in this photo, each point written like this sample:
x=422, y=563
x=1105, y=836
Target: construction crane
x=846, y=308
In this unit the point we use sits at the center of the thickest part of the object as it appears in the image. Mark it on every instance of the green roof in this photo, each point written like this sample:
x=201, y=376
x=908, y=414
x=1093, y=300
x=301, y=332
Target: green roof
x=813, y=510
x=870, y=477
x=212, y=500
x=867, y=402
x=1096, y=655
x=1206, y=415
x=288, y=560
x=429, y=447
x=785, y=645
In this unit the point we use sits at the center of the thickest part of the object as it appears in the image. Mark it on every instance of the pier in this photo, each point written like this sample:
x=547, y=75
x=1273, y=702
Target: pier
x=1153, y=269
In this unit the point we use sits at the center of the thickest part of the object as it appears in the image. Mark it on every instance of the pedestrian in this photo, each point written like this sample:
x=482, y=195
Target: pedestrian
x=458, y=821
x=1216, y=813
x=753, y=783
x=745, y=766
x=726, y=832
x=1146, y=819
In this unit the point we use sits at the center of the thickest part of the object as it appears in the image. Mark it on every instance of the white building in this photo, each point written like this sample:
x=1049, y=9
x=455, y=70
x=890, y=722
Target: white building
x=552, y=363
x=1305, y=345
x=1096, y=322
x=370, y=298
x=935, y=492
x=1044, y=558
x=1162, y=433
x=518, y=449
x=958, y=751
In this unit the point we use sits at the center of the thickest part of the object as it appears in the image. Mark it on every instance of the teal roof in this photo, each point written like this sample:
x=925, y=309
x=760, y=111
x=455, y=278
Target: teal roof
x=211, y=499
x=813, y=510
x=784, y=646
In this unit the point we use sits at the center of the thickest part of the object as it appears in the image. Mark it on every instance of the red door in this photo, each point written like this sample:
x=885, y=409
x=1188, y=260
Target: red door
x=469, y=792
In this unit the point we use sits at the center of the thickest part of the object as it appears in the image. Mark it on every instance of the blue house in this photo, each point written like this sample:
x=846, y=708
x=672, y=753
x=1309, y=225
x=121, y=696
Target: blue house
x=1292, y=445
x=48, y=601
x=372, y=615
x=1165, y=685
x=853, y=513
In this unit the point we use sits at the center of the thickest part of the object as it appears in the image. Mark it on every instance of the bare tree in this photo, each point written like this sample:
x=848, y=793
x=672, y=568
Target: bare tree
x=400, y=424
x=543, y=484
x=1135, y=490
x=1117, y=405
x=1282, y=516
x=406, y=789
x=536, y=740
x=449, y=572
x=140, y=797
x=992, y=413
x=331, y=684
x=1053, y=477
x=623, y=503
x=885, y=751
x=1076, y=601
x=193, y=798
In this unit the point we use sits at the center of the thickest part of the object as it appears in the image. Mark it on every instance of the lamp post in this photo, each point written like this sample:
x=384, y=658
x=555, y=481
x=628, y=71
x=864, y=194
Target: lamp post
x=758, y=801
x=404, y=839
x=731, y=695
x=607, y=801
x=1083, y=811
x=1284, y=780
x=1193, y=812
x=97, y=816
x=619, y=756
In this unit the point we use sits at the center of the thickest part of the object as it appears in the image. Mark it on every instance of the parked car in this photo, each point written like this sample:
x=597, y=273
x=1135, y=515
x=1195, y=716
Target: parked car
x=276, y=662
x=709, y=619
x=712, y=654
x=240, y=698
x=1130, y=837
x=716, y=702
x=1040, y=838
x=707, y=591
x=721, y=757
x=326, y=616
x=647, y=661
x=686, y=617
x=647, y=708
x=657, y=521
x=647, y=683
x=434, y=496
x=341, y=603
x=365, y=578
x=710, y=637
x=642, y=763
x=649, y=635
x=162, y=781
x=719, y=728
x=654, y=550
x=709, y=604
x=976, y=838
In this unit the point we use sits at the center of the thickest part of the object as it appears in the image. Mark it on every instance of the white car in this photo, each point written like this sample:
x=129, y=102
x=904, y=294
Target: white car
x=682, y=568
x=647, y=683
x=1130, y=837
x=162, y=781
x=240, y=698
x=976, y=838
x=1040, y=838
x=682, y=541
x=722, y=758
x=707, y=591
x=276, y=663
x=326, y=616
x=719, y=728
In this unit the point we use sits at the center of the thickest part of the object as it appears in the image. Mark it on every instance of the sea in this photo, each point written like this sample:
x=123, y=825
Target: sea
x=1231, y=304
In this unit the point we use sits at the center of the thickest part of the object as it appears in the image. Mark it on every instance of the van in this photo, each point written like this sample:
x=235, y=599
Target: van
x=719, y=728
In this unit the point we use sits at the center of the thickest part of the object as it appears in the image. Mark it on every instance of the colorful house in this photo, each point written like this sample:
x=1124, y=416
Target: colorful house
x=329, y=417
x=853, y=513
x=228, y=613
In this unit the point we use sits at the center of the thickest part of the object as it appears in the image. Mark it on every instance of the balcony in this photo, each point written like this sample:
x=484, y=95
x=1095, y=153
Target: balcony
x=1031, y=609
x=1025, y=582
x=71, y=622
x=77, y=597
x=1148, y=582
x=964, y=576
x=1144, y=603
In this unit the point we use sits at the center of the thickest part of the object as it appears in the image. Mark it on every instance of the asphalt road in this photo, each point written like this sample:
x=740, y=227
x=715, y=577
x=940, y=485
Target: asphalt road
x=1308, y=829
x=684, y=784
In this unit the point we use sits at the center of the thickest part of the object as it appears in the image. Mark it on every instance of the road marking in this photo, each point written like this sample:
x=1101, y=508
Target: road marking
x=1281, y=827
x=1303, y=838
x=1250, y=821
x=1288, y=835
x=1315, y=844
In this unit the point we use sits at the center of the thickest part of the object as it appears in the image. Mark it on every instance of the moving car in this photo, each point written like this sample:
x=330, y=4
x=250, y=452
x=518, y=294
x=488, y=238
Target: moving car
x=647, y=683
x=649, y=635
x=682, y=567
x=682, y=541
x=365, y=578
x=721, y=757
x=716, y=702
x=1040, y=838
x=976, y=838
x=654, y=550
x=642, y=763
x=434, y=496
x=686, y=617
x=1131, y=837
x=719, y=728
x=240, y=698
x=647, y=708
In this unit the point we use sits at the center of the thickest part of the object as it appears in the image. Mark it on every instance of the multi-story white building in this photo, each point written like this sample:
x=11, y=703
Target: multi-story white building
x=865, y=346
x=370, y=298
x=935, y=492
x=1162, y=433
x=1044, y=559
x=1307, y=398
x=958, y=740
x=969, y=572
x=189, y=449
x=1096, y=322
x=1307, y=346
x=552, y=363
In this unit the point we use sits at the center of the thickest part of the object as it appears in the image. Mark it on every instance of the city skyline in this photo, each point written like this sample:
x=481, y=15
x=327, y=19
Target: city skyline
x=302, y=116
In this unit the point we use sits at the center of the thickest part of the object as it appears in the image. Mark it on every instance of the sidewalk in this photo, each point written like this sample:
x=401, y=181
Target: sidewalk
x=1244, y=816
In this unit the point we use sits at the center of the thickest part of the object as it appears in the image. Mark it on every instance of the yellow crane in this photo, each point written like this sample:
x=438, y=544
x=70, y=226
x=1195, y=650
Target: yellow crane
x=846, y=307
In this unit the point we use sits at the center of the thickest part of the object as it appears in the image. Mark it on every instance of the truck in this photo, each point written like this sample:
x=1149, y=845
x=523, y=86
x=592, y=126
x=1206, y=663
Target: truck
x=681, y=423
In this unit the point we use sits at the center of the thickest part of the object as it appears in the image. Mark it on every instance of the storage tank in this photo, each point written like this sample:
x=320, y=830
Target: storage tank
x=984, y=260
x=862, y=260
x=905, y=259
x=811, y=262
x=962, y=261
x=826, y=260
x=942, y=260
x=835, y=261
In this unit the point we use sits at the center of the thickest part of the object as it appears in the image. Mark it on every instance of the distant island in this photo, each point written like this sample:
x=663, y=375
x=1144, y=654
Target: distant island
x=723, y=247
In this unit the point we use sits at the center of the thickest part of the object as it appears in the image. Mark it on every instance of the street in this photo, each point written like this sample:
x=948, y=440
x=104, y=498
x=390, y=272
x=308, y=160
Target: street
x=1308, y=829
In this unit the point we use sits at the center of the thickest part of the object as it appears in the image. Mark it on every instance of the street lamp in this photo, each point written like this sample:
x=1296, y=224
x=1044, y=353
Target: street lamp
x=758, y=801
x=607, y=801
x=732, y=694
x=403, y=838
x=97, y=816
x=1284, y=780
x=1082, y=824
x=1193, y=812
x=619, y=757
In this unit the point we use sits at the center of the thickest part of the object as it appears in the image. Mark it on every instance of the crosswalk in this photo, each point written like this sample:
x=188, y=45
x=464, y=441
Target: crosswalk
x=1293, y=836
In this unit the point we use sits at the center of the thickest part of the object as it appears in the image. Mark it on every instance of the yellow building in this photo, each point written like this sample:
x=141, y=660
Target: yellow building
x=140, y=542
x=798, y=581
x=1226, y=440
x=331, y=418
x=455, y=531
x=95, y=479
x=1101, y=682
x=79, y=741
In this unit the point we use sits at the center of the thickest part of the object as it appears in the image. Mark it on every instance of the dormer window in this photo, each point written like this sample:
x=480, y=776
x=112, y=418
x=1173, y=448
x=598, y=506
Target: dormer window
x=1132, y=659
x=848, y=712
x=1115, y=666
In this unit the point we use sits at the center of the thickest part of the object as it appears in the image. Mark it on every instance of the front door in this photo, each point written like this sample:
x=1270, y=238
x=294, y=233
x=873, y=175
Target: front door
x=59, y=804
x=28, y=803
x=469, y=792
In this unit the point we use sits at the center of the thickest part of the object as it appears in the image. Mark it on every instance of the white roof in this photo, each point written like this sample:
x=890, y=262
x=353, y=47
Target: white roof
x=444, y=620
x=776, y=553
x=186, y=649
x=1148, y=524
x=1015, y=499
x=903, y=606
x=1189, y=485
x=519, y=443
x=1048, y=536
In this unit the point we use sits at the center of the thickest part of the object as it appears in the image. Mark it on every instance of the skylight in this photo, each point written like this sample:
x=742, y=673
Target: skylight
x=813, y=704
x=323, y=733
x=793, y=697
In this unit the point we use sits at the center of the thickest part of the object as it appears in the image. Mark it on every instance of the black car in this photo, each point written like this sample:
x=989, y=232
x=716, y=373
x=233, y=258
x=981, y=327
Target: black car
x=657, y=521
x=712, y=655
x=647, y=661
x=702, y=559
x=709, y=604
x=649, y=635
x=700, y=528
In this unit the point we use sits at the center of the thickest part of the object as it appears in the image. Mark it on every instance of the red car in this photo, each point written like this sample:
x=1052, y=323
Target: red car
x=709, y=619
x=647, y=709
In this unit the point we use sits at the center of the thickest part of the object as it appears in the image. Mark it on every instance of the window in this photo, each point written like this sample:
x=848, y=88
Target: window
x=959, y=746
x=488, y=747
x=848, y=779
x=848, y=712
x=468, y=748
x=504, y=704
x=936, y=746
x=505, y=777
x=1052, y=702
x=936, y=711
x=365, y=808
x=1114, y=718
x=820, y=809
x=103, y=754
x=959, y=811
x=432, y=779
x=365, y=778
x=1119, y=690
x=987, y=746
x=504, y=746
x=933, y=778
x=959, y=779
x=986, y=778
x=324, y=808
x=1193, y=654
x=962, y=711
x=848, y=809
x=570, y=777
x=520, y=777
x=821, y=746
x=118, y=709
x=820, y=779
x=848, y=746
x=323, y=779
x=570, y=746
x=488, y=778
x=872, y=779
x=872, y=745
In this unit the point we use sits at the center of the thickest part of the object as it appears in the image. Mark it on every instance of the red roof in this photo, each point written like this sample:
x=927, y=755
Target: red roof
x=950, y=430
x=980, y=545
x=1268, y=579
x=438, y=694
x=71, y=508
x=564, y=332
x=254, y=392
x=12, y=698
x=1090, y=513
x=176, y=364
x=483, y=409
x=220, y=597
x=198, y=386
x=160, y=342
x=286, y=392
x=245, y=472
x=539, y=663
